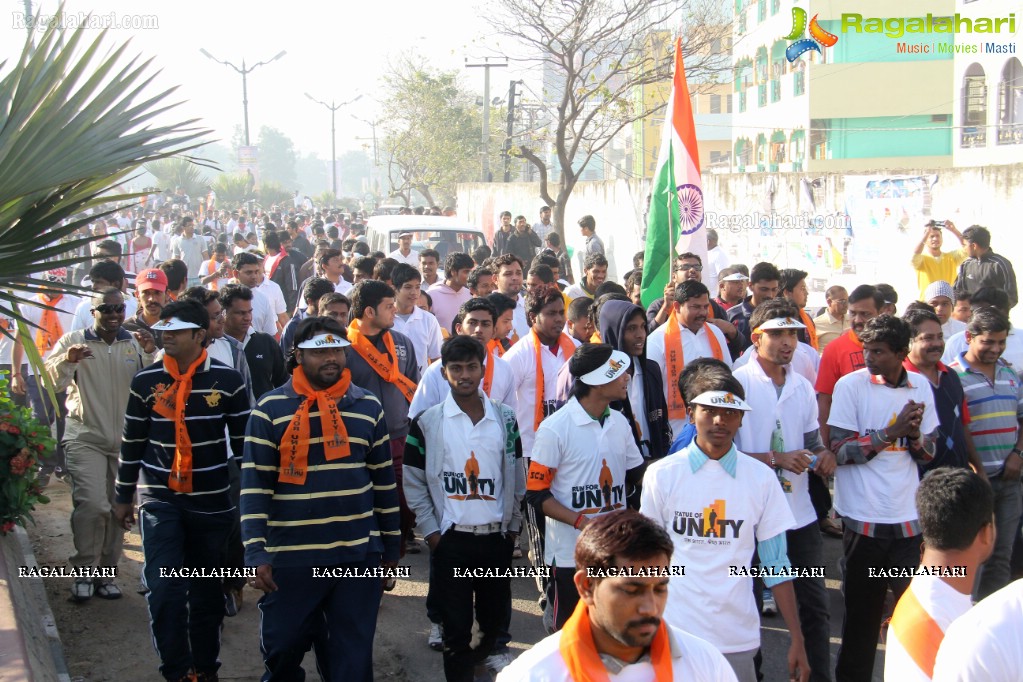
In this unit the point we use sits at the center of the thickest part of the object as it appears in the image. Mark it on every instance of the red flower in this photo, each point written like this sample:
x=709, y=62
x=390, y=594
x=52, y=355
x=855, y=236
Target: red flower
x=7, y=527
x=14, y=430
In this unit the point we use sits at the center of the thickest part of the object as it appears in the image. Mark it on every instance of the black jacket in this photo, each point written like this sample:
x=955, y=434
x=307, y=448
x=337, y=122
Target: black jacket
x=613, y=317
x=266, y=364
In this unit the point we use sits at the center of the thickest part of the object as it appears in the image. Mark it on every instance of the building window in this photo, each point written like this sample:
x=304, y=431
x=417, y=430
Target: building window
x=775, y=7
x=974, y=97
x=1010, y=103
x=799, y=82
x=728, y=104
x=715, y=104
x=819, y=129
x=761, y=10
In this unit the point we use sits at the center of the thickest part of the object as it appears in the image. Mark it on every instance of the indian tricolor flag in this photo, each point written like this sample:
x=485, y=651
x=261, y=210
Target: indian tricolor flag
x=675, y=219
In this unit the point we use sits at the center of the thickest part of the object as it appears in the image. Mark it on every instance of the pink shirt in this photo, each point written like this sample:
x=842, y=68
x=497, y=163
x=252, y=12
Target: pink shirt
x=446, y=302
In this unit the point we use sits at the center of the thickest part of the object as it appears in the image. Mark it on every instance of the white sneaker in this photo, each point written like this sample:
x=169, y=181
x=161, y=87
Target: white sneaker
x=497, y=662
x=770, y=606
x=436, y=638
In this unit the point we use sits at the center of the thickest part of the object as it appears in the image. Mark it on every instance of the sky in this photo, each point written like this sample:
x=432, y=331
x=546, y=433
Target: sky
x=335, y=51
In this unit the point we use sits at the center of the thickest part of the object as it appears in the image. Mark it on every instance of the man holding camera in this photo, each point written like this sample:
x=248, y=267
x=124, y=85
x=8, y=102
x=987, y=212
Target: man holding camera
x=930, y=262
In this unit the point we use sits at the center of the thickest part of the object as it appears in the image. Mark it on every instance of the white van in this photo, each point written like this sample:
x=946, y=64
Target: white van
x=446, y=234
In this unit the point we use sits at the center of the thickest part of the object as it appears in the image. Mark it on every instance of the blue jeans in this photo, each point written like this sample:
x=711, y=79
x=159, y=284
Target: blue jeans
x=185, y=613
x=994, y=574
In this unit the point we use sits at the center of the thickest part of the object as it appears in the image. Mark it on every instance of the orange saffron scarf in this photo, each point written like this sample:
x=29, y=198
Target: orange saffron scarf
x=676, y=362
x=567, y=348
x=384, y=364
x=170, y=404
x=295, y=446
x=495, y=346
x=811, y=329
x=488, y=371
x=52, y=329
x=582, y=659
x=213, y=269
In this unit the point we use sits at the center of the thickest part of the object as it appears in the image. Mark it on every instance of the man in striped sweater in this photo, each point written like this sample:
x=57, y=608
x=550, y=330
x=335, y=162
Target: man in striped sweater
x=175, y=453
x=319, y=511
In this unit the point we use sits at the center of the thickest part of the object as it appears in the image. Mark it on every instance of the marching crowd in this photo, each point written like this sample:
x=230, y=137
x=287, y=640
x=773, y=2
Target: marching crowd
x=281, y=409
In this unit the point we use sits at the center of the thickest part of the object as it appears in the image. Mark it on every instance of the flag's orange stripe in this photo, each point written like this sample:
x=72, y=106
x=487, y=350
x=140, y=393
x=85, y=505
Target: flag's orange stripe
x=682, y=113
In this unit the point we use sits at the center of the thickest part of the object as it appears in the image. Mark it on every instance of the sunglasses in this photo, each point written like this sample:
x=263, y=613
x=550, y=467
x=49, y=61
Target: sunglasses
x=684, y=268
x=110, y=308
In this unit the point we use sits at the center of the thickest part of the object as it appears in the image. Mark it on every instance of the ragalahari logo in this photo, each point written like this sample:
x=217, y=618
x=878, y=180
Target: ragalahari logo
x=818, y=36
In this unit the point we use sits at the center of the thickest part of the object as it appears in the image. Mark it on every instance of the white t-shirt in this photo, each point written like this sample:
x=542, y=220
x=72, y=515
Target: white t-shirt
x=473, y=467
x=521, y=358
x=692, y=660
x=693, y=346
x=207, y=269
x=985, y=643
x=433, y=388
x=714, y=520
x=411, y=259
x=639, y=408
x=520, y=323
x=65, y=316
x=952, y=327
x=590, y=460
x=805, y=361
x=83, y=312
x=423, y=330
x=273, y=293
x=884, y=489
x=717, y=261
x=941, y=604
x=162, y=242
x=1013, y=353
x=263, y=317
x=796, y=410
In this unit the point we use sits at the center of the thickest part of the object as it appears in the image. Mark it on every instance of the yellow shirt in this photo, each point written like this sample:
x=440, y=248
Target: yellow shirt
x=930, y=269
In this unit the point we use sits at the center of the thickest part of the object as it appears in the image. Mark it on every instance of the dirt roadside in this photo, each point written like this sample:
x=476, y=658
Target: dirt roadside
x=108, y=641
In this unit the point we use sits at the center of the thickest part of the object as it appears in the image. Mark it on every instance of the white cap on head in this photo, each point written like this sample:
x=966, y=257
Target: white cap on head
x=779, y=323
x=734, y=277
x=723, y=399
x=324, y=340
x=173, y=324
x=615, y=366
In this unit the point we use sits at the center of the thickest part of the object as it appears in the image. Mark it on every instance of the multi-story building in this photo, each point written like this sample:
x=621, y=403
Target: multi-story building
x=712, y=114
x=861, y=104
x=988, y=91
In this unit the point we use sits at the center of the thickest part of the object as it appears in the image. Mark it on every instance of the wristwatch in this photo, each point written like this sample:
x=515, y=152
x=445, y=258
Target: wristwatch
x=1017, y=452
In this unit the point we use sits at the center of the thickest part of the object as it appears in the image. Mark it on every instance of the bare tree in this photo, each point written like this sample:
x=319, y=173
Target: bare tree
x=594, y=54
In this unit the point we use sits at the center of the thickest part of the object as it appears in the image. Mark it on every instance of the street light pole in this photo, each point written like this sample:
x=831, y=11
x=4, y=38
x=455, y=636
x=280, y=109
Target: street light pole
x=486, y=66
x=333, y=153
x=244, y=71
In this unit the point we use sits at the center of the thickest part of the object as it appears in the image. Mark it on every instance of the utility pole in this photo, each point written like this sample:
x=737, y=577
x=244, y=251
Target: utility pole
x=486, y=66
x=333, y=147
x=510, y=131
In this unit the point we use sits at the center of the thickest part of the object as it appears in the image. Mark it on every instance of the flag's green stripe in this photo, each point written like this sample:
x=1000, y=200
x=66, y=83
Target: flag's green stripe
x=661, y=231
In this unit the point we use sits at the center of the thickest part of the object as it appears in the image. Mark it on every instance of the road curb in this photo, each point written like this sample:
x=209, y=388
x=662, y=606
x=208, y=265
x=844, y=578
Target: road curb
x=41, y=656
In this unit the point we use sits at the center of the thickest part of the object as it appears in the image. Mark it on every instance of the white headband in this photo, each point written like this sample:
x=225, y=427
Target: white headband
x=723, y=399
x=779, y=323
x=324, y=340
x=615, y=366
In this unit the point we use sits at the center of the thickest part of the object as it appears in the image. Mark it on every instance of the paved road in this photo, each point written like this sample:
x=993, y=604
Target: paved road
x=403, y=622
x=107, y=641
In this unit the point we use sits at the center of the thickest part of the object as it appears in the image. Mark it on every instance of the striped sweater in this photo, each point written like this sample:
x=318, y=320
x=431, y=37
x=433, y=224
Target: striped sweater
x=346, y=508
x=995, y=411
x=218, y=399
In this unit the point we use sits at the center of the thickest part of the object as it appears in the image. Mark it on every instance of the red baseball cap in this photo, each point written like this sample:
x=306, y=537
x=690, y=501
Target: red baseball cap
x=153, y=278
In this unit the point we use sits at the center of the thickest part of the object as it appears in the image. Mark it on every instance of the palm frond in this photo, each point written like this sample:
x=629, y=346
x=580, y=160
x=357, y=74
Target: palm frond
x=77, y=119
